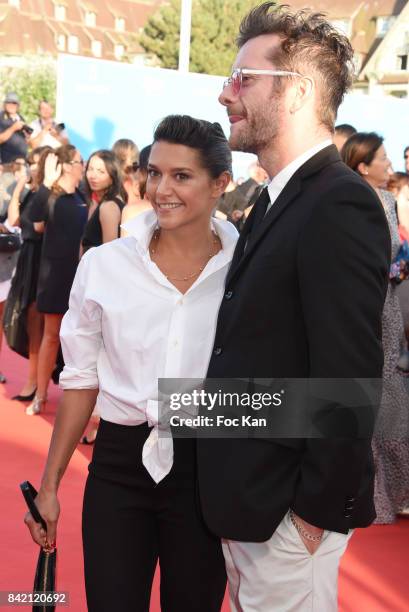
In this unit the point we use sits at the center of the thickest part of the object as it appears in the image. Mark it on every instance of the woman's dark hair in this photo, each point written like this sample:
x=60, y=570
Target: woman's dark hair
x=65, y=153
x=112, y=167
x=144, y=157
x=37, y=152
x=44, y=152
x=361, y=148
x=143, y=170
x=206, y=138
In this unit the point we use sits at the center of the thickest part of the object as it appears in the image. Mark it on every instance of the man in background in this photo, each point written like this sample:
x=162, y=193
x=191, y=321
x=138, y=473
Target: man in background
x=342, y=133
x=257, y=177
x=46, y=132
x=13, y=133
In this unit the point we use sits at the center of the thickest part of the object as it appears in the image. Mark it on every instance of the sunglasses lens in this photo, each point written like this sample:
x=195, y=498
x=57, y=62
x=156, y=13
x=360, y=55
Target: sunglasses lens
x=132, y=168
x=236, y=82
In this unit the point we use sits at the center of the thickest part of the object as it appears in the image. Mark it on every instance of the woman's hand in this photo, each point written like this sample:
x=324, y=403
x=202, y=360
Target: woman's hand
x=52, y=170
x=21, y=183
x=237, y=215
x=49, y=508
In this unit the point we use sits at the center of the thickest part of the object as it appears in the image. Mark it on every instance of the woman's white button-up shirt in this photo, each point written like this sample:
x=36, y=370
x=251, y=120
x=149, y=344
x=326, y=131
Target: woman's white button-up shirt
x=127, y=326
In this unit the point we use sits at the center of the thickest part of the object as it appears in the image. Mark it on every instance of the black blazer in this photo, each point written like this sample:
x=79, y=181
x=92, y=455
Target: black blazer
x=304, y=298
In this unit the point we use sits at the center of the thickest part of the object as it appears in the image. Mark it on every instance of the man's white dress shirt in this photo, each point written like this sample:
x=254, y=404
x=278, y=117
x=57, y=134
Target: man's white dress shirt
x=281, y=179
x=127, y=326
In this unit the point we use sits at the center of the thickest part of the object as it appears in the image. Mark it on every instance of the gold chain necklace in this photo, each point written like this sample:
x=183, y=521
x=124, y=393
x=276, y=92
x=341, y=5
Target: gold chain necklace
x=152, y=249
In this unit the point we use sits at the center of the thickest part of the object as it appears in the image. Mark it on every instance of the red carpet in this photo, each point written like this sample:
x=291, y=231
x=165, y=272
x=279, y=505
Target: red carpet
x=374, y=569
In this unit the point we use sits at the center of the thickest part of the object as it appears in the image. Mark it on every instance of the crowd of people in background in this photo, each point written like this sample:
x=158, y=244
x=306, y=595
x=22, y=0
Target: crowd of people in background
x=61, y=205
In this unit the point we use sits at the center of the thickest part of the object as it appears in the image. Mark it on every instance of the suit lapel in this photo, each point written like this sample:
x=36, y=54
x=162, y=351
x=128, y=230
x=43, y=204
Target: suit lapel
x=248, y=226
x=251, y=235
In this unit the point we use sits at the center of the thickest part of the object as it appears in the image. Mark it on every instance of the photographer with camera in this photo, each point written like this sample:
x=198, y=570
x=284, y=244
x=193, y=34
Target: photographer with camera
x=45, y=131
x=14, y=132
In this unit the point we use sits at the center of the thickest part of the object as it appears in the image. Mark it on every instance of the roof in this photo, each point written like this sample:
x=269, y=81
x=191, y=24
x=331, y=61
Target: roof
x=34, y=29
x=395, y=79
x=382, y=8
x=342, y=9
x=337, y=9
x=359, y=42
x=21, y=34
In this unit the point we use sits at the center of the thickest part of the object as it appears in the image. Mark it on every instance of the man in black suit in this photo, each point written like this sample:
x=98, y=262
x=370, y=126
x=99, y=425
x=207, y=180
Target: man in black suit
x=303, y=299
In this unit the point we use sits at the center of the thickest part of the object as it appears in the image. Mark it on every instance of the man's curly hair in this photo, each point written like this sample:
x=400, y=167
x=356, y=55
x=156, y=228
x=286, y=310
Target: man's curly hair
x=311, y=46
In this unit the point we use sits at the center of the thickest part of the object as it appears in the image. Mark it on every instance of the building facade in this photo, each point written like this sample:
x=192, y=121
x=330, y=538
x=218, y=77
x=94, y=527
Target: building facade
x=106, y=29
x=379, y=34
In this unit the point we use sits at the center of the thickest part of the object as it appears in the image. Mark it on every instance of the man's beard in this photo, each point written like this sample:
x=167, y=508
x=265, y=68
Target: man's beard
x=260, y=130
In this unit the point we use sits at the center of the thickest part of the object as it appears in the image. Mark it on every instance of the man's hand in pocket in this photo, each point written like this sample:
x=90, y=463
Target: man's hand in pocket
x=310, y=545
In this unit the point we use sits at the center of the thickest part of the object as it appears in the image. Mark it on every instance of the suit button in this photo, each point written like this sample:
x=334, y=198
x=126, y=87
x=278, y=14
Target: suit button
x=217, y=351
x=228, y=295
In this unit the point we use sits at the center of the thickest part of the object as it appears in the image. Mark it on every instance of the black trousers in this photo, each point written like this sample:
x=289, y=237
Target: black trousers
x=129, y=522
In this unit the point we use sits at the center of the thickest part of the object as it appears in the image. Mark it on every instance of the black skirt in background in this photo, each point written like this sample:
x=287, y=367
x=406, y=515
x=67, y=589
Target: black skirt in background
x=21, y=295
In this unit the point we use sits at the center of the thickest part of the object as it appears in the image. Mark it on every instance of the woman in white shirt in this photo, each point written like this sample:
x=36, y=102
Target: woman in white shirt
x=143, y=308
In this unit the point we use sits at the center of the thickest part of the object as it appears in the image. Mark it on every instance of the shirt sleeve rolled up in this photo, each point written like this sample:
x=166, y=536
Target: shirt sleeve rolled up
x=81, y=335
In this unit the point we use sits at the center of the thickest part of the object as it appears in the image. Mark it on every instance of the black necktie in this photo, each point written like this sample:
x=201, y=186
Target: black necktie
x=260, y=208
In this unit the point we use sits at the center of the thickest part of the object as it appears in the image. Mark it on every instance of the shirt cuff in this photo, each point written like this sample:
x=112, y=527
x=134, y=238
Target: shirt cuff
x=71, y=378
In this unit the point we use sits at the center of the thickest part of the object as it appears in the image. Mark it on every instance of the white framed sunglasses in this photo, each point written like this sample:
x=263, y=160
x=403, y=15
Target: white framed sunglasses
x=236, y=78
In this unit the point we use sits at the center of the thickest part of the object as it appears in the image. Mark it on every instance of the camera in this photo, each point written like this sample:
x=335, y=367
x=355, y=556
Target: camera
x=27, y=129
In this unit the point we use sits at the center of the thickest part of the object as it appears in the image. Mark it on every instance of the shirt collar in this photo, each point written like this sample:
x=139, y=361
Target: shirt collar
x=278, y=183
x=143, y=225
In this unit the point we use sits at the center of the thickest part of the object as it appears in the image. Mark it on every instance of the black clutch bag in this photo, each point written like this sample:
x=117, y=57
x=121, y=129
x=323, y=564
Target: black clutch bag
x=44, y=580
x=9, y=242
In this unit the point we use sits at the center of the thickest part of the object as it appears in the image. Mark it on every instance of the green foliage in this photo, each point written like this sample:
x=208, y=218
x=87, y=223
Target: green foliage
x=160, y=36
x=32, y=82
x=215, y=25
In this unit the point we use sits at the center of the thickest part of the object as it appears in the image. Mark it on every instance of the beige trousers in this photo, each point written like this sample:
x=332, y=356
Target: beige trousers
x=280, y=575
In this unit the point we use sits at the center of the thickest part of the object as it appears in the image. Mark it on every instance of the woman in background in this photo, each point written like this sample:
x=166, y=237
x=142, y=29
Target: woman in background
x=366, y=155
x=7, y=264
x=103, y=187
x=398, y=185
x=135, y=185
x=24, y=283
x=59, y=212
x=10, y=174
